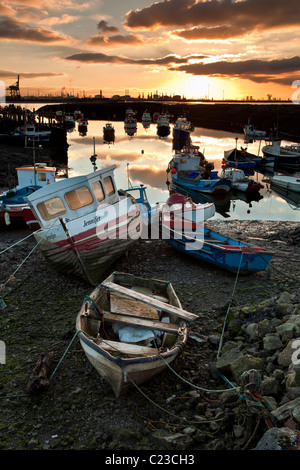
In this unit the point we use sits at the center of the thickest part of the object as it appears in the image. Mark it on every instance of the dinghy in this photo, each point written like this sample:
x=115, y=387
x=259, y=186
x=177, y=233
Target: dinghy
x=130, y=328
x=233, y=255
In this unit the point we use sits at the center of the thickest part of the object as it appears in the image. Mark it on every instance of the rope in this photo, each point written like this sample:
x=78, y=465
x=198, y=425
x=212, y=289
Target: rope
x=17, y=243
x=63, y=356
x=229, y=306
x=163, y=409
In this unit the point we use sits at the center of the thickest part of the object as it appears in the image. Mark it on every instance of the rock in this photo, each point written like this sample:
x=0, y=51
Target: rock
x=225, y=360
x=292, y=379
x=252, y=330
x=279, y=439
x=288, y=331
x=244, y=363
x=270, y=386
x=272, y=342
x=284, y=412
x=285, y=357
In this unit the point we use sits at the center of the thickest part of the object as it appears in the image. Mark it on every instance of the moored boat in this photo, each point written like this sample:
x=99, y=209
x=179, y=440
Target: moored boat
x=222, y=251
x=286, y=182
x=250, y=131
x=287, y=156
x=181, y=132
x=240, y=181
x=130, y=122
x=30, y=133
x=190, y=170
x=82, y=126
x=163, y=125
x=108, y=133
x=131, y=328
x=179, y=211
x=85, y=224
x=13, y=204
x=146, y=119
x=239, y=159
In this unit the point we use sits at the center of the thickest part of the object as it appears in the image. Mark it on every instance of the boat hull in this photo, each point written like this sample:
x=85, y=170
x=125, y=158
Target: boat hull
x=282, y=159
x=88, y=253
x=213, y=186
x=12, y=214
x=123, y=372
x=229, y=254
x=286, y=184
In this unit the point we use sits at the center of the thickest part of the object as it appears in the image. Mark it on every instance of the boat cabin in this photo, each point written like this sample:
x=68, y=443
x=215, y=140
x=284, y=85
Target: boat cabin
x=39, y=175
x=140, y=195
x=75, y=197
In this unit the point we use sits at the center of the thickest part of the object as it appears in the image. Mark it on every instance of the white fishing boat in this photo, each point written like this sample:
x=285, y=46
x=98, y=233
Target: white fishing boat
x=240, y=181
x=30, y=132
x=131, y=328
x=146, y=119
x=250, y=131
x=85, y=224
x=286, y=182
x=284, y=155
x=130, y=122
x=163, y=125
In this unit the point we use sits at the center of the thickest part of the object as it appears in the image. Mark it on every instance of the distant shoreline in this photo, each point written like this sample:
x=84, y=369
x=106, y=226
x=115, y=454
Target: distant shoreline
x=279, y=118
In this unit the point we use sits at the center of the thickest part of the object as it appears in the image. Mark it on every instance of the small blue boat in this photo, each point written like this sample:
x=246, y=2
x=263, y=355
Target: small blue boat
x=227, y=253
x=238, y=159
x=196, y=182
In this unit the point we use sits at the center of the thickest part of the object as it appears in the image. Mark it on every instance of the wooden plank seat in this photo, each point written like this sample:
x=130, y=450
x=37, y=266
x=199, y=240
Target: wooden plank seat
x=126, y=348
x=141, y=322
x=149, y=301
x=120, y=303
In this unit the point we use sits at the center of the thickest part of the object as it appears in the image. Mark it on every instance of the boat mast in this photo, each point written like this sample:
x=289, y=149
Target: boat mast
x=93, y=158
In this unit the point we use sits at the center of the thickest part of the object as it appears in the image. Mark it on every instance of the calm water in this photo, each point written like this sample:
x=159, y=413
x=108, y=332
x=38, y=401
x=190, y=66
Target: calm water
x=144, y=157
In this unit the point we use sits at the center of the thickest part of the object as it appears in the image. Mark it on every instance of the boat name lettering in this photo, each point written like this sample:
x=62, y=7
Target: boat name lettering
x=94, y=220
x=51, y=237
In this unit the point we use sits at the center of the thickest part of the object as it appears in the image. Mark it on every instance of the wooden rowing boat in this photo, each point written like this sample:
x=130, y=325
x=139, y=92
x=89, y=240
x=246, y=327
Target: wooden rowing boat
x=233, y=255
x=130, y=328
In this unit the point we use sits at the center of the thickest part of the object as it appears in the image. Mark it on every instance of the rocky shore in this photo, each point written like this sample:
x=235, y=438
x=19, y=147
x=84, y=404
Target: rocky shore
x=236, y=386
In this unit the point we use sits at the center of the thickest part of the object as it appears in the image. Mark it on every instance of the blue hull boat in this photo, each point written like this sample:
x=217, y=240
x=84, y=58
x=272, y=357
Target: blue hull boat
x=195, y=182
x=239, y=159
x=219, y=250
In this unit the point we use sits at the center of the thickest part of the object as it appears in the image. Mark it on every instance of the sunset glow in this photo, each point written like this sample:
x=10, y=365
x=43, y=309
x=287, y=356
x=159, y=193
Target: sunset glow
x=217, y=49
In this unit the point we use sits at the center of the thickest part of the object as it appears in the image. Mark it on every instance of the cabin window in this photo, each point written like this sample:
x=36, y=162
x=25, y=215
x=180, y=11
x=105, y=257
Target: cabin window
x=98, y=191
x=42, y=176
x=79, y=197
x=109, y=185
x=51, y=208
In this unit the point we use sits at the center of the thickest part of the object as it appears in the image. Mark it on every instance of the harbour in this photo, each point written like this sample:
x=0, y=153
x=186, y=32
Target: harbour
x=40, y=307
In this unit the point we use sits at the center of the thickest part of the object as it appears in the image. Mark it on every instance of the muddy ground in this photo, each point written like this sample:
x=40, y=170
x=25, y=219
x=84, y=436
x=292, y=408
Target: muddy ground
x=79, y=411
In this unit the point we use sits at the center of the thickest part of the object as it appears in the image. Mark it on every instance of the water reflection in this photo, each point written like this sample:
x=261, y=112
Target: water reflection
x=148, y=157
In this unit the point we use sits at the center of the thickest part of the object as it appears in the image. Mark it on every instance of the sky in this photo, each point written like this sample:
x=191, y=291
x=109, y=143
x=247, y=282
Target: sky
x=216, y=49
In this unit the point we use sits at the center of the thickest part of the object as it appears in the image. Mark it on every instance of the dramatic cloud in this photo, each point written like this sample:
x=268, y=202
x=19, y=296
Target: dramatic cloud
x=103, y=26
x=16, y=31
x=117, y=40
x=218, y=32
x=98, y=58
x=252, y=15
x=243, y=67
